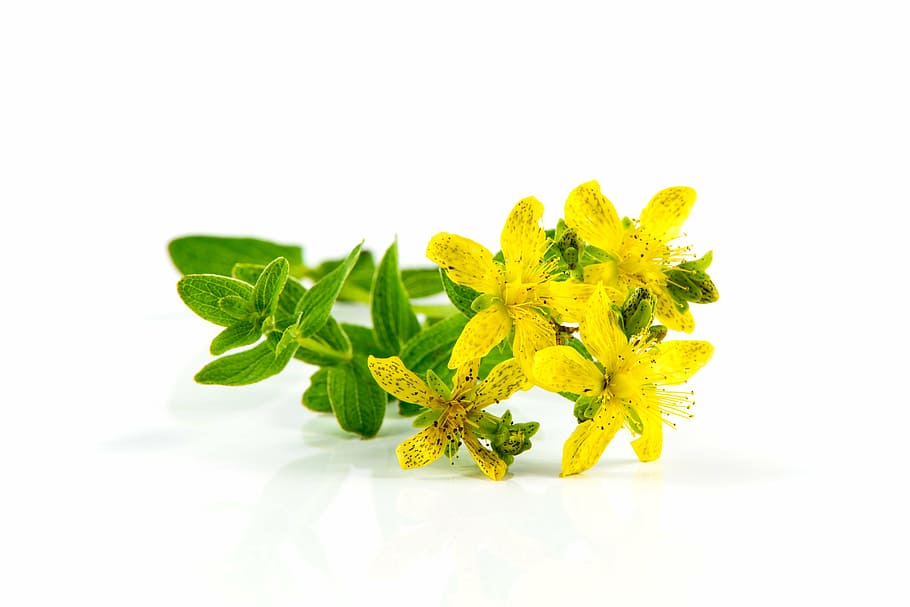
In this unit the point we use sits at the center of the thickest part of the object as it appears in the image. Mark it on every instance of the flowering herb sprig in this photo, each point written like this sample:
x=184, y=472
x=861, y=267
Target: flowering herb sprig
x=581, y=310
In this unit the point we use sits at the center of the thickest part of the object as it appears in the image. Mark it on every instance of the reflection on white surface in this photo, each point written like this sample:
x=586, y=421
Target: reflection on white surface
x=241, y=496
x=300, y=509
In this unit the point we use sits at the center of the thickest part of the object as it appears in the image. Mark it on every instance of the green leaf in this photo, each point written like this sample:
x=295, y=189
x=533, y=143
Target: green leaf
x=421, y=282
x=316, y=304
x=237, y=307
x=269, y=286
x=394, y=322
x=363, y=341
x=202, y=294
x=357, y=400
x=242, y=334
x=316, y=397
x=328, y=346
x=218, y=254
x=359, y=281
x=290, y=296
x=460, y=296
x=432, y=347
x=247, y=367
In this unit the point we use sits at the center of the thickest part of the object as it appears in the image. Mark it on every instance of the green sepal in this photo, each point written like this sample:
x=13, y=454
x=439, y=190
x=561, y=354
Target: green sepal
x=592, y=254
x=316, y=304
x=218, y=254
x=634, y=421
x=461, y=297
x=426, y=417
x=249, y=366
x=237, y=307
x=586, y=407
x=437, y=385
x=243, y=333
x=656, y=333
x=269, y=286
x=421, y=282
x=203, y=292
x=316, y=397
x=432, y=347
x=701, y=264
x=357, y=400
x=484, y=301
x=394, y=322
x=511, y=439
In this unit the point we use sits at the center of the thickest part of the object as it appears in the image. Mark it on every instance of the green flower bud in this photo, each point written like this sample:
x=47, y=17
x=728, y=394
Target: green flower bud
x=637, y=311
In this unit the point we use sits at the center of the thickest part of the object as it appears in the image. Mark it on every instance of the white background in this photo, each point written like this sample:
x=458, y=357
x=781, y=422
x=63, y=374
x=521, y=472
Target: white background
x=124, y=124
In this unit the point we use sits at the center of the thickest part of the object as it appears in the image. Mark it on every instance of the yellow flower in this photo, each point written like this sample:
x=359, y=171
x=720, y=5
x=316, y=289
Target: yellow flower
x=520, y=291
x=457, y=414
x=626, y=385
x=639, y=254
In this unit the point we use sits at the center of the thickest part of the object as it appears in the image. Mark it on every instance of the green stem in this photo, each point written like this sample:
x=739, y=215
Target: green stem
x=316, y=346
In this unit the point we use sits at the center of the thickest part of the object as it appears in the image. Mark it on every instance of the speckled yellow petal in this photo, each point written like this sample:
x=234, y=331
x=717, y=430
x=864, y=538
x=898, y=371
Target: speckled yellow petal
x=606, y=273
x=400, y=382
x=594, y=217
x=669, y=315
x=664, y=215
x=500, y=383
x=523, y=241
x=423, y=448
x=600, y=330
x=589, y=439
x=465, y=377
x=677, y=360
x=567, y=299
x=488, y=462
x=533, y=332
x=563, y=369
x=649, y=444
x=466, y=262
x=486, y=329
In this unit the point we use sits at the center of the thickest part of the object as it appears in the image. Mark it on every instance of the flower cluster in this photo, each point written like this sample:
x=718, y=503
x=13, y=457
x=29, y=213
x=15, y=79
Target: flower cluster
x=583, y=311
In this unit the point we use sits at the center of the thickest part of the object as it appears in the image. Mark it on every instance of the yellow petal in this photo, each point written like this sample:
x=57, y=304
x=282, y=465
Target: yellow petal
x=500, y=383
x=594, y=217
x=567, y=299
x=533, y=332
x=563, y=369
x=400, y=382
x=589, y=439
x=648, y=445
x=523, y=241
x=664, y=215
x=606, y=273
x=668, y=314
x=423, y=448
x=678, y=360
x=466, y=262
x=465, y=377
x=486, y=329
x=488, y=462
x=600, y=330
